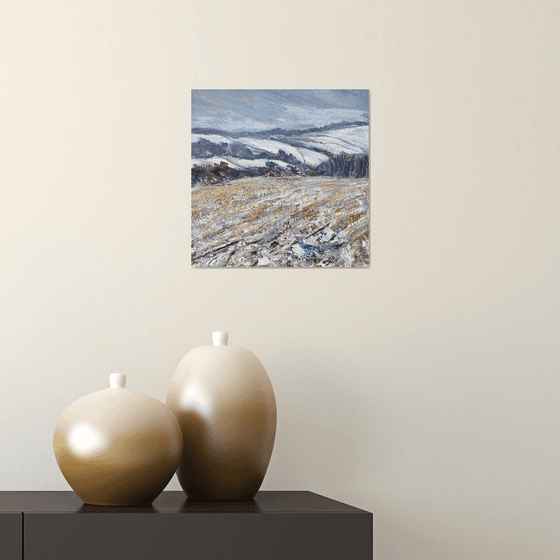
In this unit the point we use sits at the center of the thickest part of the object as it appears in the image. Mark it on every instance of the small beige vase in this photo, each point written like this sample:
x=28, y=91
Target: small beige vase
x=117, y=447
x=225, y=405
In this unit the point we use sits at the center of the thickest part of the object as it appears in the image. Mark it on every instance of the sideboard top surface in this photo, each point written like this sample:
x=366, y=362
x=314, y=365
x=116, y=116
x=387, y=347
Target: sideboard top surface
x=175, y=502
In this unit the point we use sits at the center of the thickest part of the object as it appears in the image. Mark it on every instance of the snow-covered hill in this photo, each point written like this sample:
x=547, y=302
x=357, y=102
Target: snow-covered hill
x=279, y=151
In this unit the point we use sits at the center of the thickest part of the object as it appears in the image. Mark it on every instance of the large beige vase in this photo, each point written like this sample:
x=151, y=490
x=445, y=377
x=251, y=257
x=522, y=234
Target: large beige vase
x=225, y=405
x=117, y=447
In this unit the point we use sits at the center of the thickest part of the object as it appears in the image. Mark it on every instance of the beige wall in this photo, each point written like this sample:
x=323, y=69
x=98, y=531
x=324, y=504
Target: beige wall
x=424, y=389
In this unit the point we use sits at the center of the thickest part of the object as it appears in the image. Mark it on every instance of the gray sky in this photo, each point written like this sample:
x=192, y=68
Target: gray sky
x=243, y=110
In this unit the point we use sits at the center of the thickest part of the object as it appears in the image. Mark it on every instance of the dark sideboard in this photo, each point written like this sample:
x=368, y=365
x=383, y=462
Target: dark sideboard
x=283, y=525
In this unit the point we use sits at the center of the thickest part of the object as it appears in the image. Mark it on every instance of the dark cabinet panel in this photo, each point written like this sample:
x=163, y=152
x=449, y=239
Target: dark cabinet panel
x=284, y=525
x=11, y=535
x=217, y=536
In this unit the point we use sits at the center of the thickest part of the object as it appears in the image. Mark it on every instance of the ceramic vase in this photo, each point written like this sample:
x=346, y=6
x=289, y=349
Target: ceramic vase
x=117, y=447
x=225, y=405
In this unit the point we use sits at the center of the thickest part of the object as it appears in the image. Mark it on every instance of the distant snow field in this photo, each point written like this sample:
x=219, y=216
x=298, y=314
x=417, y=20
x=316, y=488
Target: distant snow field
x=311, y=148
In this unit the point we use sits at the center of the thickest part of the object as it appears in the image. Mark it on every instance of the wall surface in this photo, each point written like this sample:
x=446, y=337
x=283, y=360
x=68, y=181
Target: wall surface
x=424, y=389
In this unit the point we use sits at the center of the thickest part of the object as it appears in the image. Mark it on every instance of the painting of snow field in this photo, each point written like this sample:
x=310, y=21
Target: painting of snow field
x=280, y=178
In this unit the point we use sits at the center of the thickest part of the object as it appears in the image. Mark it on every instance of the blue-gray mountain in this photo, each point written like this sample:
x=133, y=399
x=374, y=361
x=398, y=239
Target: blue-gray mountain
x=337, y=150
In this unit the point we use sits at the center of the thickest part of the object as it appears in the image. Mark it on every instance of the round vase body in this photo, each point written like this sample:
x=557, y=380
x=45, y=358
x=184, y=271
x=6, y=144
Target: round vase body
x=225, y=405
x=117, y=447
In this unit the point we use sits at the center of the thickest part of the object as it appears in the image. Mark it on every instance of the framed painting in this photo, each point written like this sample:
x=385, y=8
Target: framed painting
x=280, y=178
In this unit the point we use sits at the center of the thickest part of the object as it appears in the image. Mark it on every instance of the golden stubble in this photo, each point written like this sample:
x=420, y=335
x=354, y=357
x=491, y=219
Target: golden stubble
x=249, y=210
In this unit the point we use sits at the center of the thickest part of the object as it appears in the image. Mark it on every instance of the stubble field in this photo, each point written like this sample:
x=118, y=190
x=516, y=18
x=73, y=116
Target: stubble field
x=281, y=222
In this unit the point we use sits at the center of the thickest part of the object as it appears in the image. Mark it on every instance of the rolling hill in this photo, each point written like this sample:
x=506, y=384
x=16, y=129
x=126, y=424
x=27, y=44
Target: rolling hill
x=339, y=150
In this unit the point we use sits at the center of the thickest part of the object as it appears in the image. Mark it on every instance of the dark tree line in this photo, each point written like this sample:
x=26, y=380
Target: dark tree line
x=345, y=166
x=338, y=166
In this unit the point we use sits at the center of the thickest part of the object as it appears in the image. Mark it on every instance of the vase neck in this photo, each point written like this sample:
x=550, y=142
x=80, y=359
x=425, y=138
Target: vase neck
x=220, y=338
x=117, y=380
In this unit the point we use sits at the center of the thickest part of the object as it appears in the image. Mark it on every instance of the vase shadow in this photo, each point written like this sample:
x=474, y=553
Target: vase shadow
x=89, y=508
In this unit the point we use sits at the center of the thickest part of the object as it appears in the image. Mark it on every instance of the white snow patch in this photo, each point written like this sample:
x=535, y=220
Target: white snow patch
x=214, y=138
x=332, y=145
x=244, y=163
x=356, y=135
x=210, y=161
x=272, y=146
x=351, y=140
x=235, y=163
x=311, y=157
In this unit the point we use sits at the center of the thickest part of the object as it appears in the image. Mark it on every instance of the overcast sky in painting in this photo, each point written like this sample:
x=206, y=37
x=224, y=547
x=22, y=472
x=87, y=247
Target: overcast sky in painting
x=244, y=110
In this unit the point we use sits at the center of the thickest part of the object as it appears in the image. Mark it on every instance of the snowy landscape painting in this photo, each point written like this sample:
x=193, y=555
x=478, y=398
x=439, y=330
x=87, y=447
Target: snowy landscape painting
x=280, y=178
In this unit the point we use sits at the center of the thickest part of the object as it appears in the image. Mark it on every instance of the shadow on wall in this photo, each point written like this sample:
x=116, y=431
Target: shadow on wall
x=395, y=543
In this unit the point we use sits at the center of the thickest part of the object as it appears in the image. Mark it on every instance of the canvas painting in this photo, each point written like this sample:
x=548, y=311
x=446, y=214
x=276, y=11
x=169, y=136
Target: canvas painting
x=280, y=178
